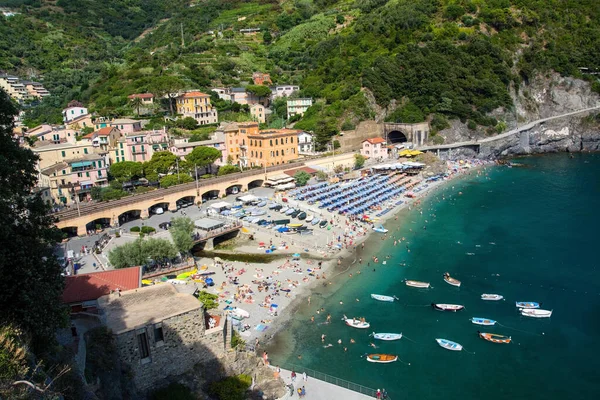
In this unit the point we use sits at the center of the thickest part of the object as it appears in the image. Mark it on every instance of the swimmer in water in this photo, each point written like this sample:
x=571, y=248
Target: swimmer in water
x=323, y=338
x=352, y=340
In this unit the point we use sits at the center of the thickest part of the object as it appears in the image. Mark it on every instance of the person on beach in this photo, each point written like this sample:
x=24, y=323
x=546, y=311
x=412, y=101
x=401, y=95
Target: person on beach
x=304, y=377
x=293, y=376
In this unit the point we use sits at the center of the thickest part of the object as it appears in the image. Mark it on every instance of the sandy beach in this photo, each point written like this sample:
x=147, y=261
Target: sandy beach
x=261, y=297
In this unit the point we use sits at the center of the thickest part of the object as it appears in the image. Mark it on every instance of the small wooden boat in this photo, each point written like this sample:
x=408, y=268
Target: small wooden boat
x=447, y=307
x=417, y=284
x=387, y=336
x=290, y=211
x=494, y=338
x=450, y=280
x=381, y=358
x=483, y=321
x=323, y=224
x=302, y=216
x=527, y=304
x=380, y=229
x=262, y=204
x=381, y=297
x=295, y=226
x=491, y=297
x=536, y=313
x=315, y=221
x=449, y=345
x=356, y=323
x=284, y=209
x=309, y=218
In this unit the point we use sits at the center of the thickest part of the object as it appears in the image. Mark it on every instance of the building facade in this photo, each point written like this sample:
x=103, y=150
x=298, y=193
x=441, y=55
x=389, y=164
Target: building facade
x=305, y=143
x=283, y=91
x=198, y=106
x=51, y=133
x=36, y=90
x=139, y=146
x=160, y=332
x=272, y=147
x=50, y=153
x=260, y=78
x=147, y=98
x=374, y=148
x=71, y=113
x=104, y=139
x=126, y=125
x=182, y=147
x=298, y=106
x=257, y=111
x=13, y=86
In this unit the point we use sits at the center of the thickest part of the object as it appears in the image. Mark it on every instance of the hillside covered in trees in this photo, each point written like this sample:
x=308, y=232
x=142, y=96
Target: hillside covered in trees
x=439, y=59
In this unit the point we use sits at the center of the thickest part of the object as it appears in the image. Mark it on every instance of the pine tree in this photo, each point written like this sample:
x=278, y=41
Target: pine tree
x=31, y=282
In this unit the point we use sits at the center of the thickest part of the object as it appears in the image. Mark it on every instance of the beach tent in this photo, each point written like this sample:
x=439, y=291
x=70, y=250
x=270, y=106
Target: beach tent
x=248, y=198
x=222, y=205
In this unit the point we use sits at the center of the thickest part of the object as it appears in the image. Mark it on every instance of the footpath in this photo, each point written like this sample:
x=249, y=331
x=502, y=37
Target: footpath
x=320, y=390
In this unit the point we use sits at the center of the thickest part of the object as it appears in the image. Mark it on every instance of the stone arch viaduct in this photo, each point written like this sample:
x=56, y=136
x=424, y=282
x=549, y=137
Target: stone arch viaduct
x=141, y=205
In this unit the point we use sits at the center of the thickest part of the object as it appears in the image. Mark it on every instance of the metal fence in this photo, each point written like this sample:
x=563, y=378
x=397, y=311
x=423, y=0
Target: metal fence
x=355, y=387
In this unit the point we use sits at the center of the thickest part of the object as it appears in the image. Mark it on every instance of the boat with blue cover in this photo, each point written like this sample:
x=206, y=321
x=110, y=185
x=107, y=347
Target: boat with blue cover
x=449, y=345
x=527, y=304
x=315, y=221
x=483, y=321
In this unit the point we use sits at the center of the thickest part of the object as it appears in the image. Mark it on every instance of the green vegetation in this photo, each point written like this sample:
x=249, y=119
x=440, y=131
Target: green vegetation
x=359, y=161
x=182, y=230
x=231, y=388
x=209, y=300
x=302, y=178
x=175, y=391
x=228, y=169
x=449, y=58
x=28, y=236
x=236, y=340
x=141, y=251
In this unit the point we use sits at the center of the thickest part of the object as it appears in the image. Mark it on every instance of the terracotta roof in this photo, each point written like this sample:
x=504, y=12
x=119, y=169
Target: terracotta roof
x=100, y=132
x=375, y=140
x=141, y=96
x=194, y=94
x=292, y=172
x=86, y=287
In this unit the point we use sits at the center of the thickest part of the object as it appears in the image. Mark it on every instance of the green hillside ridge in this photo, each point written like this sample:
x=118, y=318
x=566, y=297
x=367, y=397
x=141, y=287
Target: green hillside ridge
x=440, y=59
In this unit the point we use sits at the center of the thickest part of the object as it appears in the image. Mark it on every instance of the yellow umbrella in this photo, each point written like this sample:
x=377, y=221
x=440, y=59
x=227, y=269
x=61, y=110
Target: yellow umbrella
x=405, y=152
x=415, y=152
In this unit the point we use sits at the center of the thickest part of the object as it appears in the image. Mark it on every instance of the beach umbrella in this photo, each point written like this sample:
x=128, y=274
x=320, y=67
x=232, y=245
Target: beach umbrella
x=296, y=255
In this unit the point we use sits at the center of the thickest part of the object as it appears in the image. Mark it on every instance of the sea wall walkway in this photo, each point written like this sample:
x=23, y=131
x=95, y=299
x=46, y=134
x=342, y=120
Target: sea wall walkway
x=320, y=386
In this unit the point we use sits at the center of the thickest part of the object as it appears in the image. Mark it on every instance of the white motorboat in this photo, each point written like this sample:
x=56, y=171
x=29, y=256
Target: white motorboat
x=381, y=297
x=450, y=280
x=447, y=307
x=387, y=336
x=417, y=284
x=491, y=297
x=356, y=323
x=536, y=313
x=309, y=218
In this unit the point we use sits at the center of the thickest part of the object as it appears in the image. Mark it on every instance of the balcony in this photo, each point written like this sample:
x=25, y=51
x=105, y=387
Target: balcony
x=139, y=151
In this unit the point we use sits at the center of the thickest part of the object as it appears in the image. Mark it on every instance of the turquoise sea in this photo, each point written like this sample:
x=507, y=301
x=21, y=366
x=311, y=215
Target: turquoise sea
x=529, y=233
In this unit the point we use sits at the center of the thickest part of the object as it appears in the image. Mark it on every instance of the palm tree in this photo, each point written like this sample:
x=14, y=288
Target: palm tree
x=136, y=103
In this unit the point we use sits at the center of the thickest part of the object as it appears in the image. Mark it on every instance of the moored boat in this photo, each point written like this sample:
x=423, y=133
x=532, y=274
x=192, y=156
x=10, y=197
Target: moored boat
x=290, y=211
x=494, y=338
x=302, y=216
x=447, y=307
x=309, y=218
x=381, y=297
x=387, y=336
x=527, y=304
x=491, y=297
x=380, y=229
x=536, y=313
x=483, y=321
x=382, y=358
x=417, y=284
x=315, y=221
x=449, y=345
x=323, y=224
x=357, y=323
x=450, y=280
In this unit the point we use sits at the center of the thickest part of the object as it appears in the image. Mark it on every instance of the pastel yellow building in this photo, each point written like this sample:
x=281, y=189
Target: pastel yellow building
x=197, y=105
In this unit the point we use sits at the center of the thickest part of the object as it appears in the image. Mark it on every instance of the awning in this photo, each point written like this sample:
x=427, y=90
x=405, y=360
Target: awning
x=81, y=164
x=86, y=183
x=220, y=205
x=248, y=198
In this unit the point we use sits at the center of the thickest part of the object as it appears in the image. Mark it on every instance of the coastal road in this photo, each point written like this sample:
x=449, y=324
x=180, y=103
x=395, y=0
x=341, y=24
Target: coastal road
x=522, y=128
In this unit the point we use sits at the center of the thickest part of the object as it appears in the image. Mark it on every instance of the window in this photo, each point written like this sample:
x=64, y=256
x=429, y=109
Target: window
x=122, y=153
x=271, y=142
x=276, y=142
x=121, y=145
x=63, y=153
x=63, y=171
x=85, y=151
x=158, y=333
x=291, y=140
x=87, y=174
x=143, y=345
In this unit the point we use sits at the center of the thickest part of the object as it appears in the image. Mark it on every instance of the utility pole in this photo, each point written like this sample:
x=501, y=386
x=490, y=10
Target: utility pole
x=333, y=157
x=178, y=179
x=197, y=187
x=182, y=39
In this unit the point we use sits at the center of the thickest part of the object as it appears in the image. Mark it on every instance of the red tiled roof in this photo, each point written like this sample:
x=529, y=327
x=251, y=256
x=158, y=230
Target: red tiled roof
x=86, y=287
x=100, y=132
x=141, y=96
x=292, y=172
x=195, y=94
x=375, y=140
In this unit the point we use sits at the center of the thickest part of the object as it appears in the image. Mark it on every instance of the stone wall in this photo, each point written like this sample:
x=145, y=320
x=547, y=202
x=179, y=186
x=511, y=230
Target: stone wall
x=352, y=140
x=186, y=343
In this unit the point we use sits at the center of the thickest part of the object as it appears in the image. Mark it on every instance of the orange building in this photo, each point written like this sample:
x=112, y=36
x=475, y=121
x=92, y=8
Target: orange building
x=272, y=147
x=236, y=141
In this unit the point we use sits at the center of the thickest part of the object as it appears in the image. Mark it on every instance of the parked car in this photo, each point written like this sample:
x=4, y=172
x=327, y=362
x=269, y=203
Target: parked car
x=164, y=225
